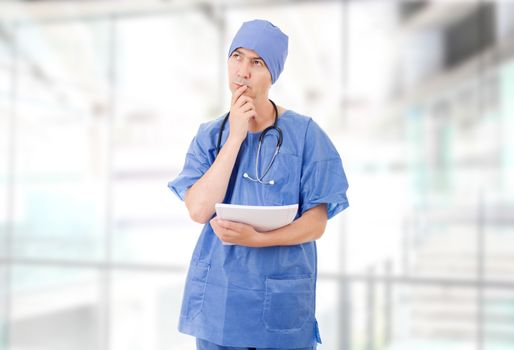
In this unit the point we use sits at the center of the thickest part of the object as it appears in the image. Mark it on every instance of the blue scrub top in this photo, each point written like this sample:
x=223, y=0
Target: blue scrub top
x=260, y=297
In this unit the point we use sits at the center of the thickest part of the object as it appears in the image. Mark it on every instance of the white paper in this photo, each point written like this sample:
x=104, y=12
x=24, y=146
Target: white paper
x=262, y=218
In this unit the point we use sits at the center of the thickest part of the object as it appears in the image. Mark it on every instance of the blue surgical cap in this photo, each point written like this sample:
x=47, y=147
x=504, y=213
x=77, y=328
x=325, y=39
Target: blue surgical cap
x=267, y=40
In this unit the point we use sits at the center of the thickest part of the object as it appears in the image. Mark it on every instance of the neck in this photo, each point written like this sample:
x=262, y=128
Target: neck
x=265, y=115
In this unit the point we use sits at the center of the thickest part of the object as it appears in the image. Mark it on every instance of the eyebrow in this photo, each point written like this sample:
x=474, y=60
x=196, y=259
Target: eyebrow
x=253, y=58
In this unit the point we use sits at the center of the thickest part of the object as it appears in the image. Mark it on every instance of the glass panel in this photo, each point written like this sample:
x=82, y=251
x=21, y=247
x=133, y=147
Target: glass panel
x=60, y=193
x=5, y=115
x=159, y=110
x=506, y=123
x=436, y=317
x=444, y=239
x=374, y=144
x=399, y=317
x=3, y=307
x=430, y=142
x=327, y=312
x=145, y=311
x=498, y=315
x=152, y=226
x=55, y=308
x=498, y=237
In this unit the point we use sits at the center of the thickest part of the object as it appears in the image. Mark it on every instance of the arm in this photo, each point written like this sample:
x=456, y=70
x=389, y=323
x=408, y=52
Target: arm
x=212, y=186
x=309, y=227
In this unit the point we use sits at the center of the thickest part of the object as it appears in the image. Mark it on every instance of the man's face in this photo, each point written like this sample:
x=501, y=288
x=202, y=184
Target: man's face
x=245, y=67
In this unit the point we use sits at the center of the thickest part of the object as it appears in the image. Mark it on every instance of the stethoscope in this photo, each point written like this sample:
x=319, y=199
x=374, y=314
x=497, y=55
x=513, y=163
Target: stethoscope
x=258, y=178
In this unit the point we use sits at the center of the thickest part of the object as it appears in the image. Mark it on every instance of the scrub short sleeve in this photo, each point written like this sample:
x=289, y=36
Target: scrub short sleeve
x=323, y=178
x=196, y=164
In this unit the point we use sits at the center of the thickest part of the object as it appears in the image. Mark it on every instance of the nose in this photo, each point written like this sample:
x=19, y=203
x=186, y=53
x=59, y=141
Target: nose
x=243, y=69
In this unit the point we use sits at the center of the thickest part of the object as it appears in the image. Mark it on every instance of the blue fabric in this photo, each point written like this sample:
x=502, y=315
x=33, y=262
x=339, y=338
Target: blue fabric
x=267, y=40
x=238, y=296
x=205, y=345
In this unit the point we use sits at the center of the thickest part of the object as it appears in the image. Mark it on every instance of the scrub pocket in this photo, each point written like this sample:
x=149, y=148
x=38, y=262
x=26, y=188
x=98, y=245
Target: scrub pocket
x=285, y=172
x=195, y=290
x=288, y=304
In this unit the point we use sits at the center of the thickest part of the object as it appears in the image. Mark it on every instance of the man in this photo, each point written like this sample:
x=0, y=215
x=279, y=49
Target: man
x=258, y=292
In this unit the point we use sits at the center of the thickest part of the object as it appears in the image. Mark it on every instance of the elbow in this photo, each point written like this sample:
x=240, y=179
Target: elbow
x=200, y=216
x=319, y=231
x=198, y=213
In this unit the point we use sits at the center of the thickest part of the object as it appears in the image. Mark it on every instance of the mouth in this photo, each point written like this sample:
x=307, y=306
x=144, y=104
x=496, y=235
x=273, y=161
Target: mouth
x=238, y=84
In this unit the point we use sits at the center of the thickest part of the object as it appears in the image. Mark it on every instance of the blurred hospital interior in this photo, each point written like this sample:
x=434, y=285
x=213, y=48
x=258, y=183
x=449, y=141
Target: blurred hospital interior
x=99, y=101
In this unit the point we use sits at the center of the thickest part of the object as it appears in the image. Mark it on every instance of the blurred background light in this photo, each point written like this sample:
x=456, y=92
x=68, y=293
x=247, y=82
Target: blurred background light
x=99, y=101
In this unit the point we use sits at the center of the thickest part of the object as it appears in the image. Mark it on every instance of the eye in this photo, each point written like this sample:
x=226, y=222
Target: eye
x=235, y=55
x=257, y=63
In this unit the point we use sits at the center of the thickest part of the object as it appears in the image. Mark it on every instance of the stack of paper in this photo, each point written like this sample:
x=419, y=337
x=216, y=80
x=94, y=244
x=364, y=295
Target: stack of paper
x=262, y=218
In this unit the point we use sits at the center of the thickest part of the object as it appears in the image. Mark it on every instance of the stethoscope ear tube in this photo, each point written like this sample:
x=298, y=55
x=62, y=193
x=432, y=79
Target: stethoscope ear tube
x=218, y=144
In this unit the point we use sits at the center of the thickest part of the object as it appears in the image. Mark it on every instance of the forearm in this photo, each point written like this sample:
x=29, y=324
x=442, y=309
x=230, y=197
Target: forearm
x=212, y=186
x=309, y=227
